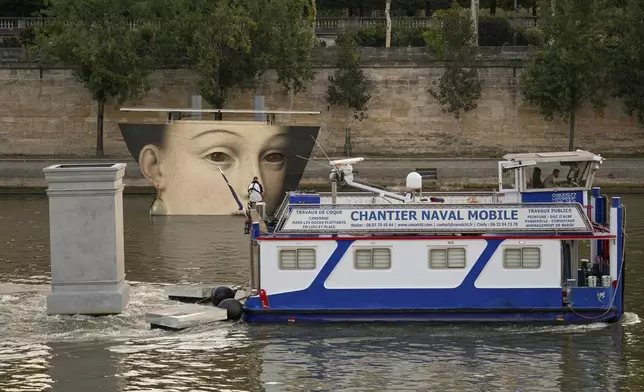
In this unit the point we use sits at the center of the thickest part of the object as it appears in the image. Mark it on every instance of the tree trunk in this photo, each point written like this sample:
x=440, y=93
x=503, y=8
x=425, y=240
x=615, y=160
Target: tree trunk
x=428, y=8
x=474, y=8
x=571, y=142
x=388, y=17
x=493, y=7
x=99, y=127
x=458, y=136
x=347, y=135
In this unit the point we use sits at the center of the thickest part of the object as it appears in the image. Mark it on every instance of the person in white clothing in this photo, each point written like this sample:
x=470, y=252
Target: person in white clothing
x=255, y=191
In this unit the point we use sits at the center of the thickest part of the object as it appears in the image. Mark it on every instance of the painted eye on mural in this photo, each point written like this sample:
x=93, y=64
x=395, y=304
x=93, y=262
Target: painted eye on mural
x=219, y=157
x=274, y=157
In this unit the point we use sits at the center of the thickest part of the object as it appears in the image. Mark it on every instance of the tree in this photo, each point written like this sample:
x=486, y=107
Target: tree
x=109, y=45
x=628, y=64
x=450, y=38
x=348, y=86
x=232, y=44
x=572, y=69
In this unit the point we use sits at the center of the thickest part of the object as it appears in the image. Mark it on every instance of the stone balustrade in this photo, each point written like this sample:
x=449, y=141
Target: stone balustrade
x=334, y=24
x=323, y=25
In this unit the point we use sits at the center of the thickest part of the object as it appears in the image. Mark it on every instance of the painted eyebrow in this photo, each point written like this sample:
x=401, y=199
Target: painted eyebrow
x=214, y=131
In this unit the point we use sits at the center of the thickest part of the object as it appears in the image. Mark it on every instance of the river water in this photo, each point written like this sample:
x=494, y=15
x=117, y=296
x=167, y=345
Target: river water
x=121, y=353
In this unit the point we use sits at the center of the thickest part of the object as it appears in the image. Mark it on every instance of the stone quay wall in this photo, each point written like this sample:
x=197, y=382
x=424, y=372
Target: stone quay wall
x=623, y=175
x=45, y=112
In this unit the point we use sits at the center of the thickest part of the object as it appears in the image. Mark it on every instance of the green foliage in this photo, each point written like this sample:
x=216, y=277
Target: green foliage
x=348, y=86
x=371, y=36
x=508, y=5
x=494, y=31
x=450, y=38
x=10, y=42
x=532, y=36
x=374, y=36
x=371, y=4
x=408, y=37
x=572, y=70
x=628, y=63
x=96, y=39
x=232, y=43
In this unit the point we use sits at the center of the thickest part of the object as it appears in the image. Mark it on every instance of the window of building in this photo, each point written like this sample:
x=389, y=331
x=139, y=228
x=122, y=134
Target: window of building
x=295, y=259
x=522, y=258
x=447, y=258
x=377, y=258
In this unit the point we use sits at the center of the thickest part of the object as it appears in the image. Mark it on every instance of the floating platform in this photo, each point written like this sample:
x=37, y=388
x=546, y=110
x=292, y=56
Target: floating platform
x=189, y=292
x=193, y=293
x=179, y=317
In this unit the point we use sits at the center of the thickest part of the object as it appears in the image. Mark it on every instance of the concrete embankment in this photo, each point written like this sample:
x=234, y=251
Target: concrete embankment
x=624, y=174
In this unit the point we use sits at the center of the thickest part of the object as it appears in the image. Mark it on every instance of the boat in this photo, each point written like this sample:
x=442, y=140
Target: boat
x=533, y=250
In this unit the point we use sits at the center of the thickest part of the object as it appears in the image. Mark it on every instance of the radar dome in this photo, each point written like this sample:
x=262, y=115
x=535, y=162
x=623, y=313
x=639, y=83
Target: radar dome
x=414, y=181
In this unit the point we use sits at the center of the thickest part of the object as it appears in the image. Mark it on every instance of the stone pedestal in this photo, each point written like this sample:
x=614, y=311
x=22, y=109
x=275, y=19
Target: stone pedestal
x=86, y=235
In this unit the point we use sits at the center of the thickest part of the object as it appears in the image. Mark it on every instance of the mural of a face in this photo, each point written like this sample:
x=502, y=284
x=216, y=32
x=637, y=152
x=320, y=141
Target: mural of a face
x=182, y=161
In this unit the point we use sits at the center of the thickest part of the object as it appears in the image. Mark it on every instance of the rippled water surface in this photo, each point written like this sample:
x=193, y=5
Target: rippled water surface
x=121, y=353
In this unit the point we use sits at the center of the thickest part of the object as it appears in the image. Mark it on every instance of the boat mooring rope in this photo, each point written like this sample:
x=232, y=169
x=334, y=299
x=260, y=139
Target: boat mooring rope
x=619, y=275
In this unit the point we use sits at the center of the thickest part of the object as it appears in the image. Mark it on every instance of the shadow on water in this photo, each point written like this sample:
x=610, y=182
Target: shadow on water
x=121, y=353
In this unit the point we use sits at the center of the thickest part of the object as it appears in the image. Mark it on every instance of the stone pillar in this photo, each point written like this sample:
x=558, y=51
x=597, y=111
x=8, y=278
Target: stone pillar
x=86, y=235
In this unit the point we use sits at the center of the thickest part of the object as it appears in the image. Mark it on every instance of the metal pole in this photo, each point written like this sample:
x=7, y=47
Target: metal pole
x=334, y=191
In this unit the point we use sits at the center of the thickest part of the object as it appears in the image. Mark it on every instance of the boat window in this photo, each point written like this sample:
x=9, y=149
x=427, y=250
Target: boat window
x=377, y=258
x=508, y=178
x=447, y=258
x=522, y=258
x=557, y=175
x=293, y=259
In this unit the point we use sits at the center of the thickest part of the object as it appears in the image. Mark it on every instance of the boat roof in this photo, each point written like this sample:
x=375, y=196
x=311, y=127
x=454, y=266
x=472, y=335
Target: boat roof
x=563, y=156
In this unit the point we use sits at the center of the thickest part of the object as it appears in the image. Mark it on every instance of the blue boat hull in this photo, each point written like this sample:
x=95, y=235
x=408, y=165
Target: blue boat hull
x=563, y=316
x=465, y=303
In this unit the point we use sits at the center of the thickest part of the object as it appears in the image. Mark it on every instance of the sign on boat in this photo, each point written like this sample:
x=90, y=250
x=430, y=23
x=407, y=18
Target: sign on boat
x=564, y=217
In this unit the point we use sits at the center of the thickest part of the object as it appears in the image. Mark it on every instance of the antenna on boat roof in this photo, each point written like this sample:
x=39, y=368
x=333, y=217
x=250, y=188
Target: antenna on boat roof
x=310, y=160
x=323, y=152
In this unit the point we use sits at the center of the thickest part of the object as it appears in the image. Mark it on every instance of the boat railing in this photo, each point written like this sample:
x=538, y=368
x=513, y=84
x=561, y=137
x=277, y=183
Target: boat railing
x=456, y=197
x=280, y=210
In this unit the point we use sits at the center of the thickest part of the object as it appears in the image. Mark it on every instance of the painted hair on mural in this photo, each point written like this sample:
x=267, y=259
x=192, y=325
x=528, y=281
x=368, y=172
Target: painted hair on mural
x=182, y=160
